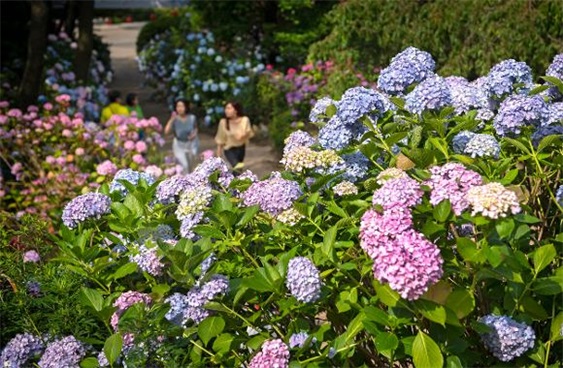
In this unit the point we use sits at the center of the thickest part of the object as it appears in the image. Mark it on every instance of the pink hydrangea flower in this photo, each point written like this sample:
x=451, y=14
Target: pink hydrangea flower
x=154, y=170
x=206, y=154
x=31, y=256
x=67, y=133
x=274, y=353
x=129, y=145
x=79, y=151
x=141, y=146
x=139, y=159
x=48, y=106
x=64, y=98
x=452, y=181
x=106, y=168
x=400, y=192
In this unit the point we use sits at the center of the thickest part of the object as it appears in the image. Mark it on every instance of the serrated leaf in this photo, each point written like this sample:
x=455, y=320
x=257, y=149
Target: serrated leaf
x=432, y=311
x=223, y=342
x=425, y=352
x=543, y=256
x=248, y=214
x=93, y=298
x=442, y=211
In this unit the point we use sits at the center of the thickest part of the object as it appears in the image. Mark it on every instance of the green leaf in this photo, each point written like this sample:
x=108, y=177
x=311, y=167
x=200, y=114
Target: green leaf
x=124, y=270
x=112, y=347
x=134, y=205
x=497, y=254
x=386, y=295
x=426, y=353
x=208, y=231
x=328, y=242
x=453, y=362
x=210, y=327
x=442, y=211
x=355, y=327
x=527, y=219
x=461, y=302
x=334, y=208
x=376, y=315
x=223, y=342
x=518, y=145
x=90, y=362
x=543, y=256
x=92, y=298
x=248, y=214
x=534, y=309
x=259, y=281
x=505, y=227
x=432, y=311
x=469, y=251
x=555, y=329
x=550, y=140
x=386, y=343
x=555, y=81
x=509, y=177
x=548, y=285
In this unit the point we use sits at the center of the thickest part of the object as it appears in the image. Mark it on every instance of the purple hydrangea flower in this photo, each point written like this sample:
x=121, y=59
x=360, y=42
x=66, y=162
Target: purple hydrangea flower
x=20, y=349
x=377, y=229
x=66, y=352
x=357, y=102
x=432, y=94
x=317, y=112
x=502, y=78
x=298, y=138
x=273, y=195
x=518, y=111
x=31, y=256
x=298, y=339
x=559, y=195
x=303, y=280
x=124, y=301
x=545, y=131
x=555, y=70
x=482, y=145
x=555, y=113
x=147, y=260
x=102, y=359
x=211, y=165
x=86, y=206
x=274, y=353
x=33, y=288
x=168, y=191
x=400, y=192
x=466, y=96
x=452, y=181
x=407, y=67
x=507, y=339
x=188, y=223
x=336, y=135
x=207, y=263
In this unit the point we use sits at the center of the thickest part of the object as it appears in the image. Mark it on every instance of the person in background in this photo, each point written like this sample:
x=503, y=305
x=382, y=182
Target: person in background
x=133, y=106
x=186, y=141
x=233, y=134
x=114, y=108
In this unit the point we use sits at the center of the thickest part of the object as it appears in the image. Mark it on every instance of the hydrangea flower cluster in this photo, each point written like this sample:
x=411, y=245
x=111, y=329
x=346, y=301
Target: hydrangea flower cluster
x=66, y=352
x=147, y=260
x=357, y=102
x=507, y=339
x=124, y=301
x=106, y=168
x=299, y=339
x=492, y=200
x=401, y=192
x=336, y=135
x=188, y=224
x=545, y=131
x=193, y=200
x=319, y=110
x=503, y=77
x=130, y=176
x=301, y=158
x=517, y=111
x=84, y=207
x=290, y=216
x=273, y=195
x=20, y=349
x=355, y=166
x=215, y=164
x=345, y=188
x=390, y=173
x=207, y=263
x=555, y=113
x=407, y=67
x=184, y=308
x=169, y=189
x=298, y=138
x=102, y=359
x=274, y=353
x=432, y=94
x=559, y=195
x=303, y=280
x=555, y=70
x=452, y=181
x=31, y=256
x=466, y=96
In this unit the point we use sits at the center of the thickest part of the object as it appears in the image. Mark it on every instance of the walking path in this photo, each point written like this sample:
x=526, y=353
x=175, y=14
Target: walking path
x=260, y=157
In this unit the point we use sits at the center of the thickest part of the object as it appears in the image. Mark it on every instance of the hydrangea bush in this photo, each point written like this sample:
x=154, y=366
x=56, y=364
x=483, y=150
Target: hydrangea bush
x=428, y=255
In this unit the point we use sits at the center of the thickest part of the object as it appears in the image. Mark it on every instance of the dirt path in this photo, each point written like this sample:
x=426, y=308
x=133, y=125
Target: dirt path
x=260, y=157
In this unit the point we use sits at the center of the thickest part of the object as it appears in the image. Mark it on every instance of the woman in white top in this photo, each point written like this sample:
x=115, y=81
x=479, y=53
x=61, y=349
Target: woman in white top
x=184, y=127
x=233, y=134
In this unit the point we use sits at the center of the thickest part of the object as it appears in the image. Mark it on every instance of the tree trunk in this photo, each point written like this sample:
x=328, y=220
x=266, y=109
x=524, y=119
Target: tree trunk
x=70, y=17
x=36, y=44
x=85, y=39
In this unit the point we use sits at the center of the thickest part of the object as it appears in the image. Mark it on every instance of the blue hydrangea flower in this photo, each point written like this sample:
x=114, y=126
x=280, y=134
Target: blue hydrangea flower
x=482, y=145
x=360, y=101
x=132, y=177
x=336, y=135
x=84, y=207
x=555, y=70
x=298, y=138
x=518, y=111
x=356, y=167
x=207, y=263
x=559, y=195
x=317, y=114
x=407, y=67
x=298, y=340
x=460, y=141
x=508, y=339
x=102, y=359
x=502, y=78
x=303, y=280
x=466, y=96
x=545, y=131
x=66, y=352
x=432, y=94
x=555, y=113
x=168, y=191
x=20, y=349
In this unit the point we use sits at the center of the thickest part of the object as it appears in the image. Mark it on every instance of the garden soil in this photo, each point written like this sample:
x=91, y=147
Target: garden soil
x=261, y=158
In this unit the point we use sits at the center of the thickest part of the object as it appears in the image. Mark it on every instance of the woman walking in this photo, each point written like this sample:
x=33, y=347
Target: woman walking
x=184, y=127
x=233, y=134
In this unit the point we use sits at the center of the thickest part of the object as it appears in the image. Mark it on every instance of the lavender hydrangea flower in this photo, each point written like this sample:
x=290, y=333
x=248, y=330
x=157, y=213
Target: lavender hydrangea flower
x=102, y=359
x=555, y=113
x=31, y=256
x=126, y=300
x=518, y=111
x=147, y=260
x=169, y=189
x=20, y=349
x=452, y=182
x=273, y=195
x=432, y=94
x=130, y=176
x=299, y=339
x=545, y=131
x=335, y=135
x=86, y=206
x=303, y=280
x=482, y=145
x=188, y=223
x=401, y=192
x=407, y=67
x=298, y=138
x=210, y=166
x=466, y=96
x=559, y=195
x=356, y=167
x=315, y=116
x=507, y=339
x=357, y=102
x=66, y=352
x=503, y=77
x=555, y=70
x=33, y=288
x=274, y=353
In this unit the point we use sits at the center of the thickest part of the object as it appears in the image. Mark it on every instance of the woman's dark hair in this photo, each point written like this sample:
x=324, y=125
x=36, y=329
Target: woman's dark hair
x=113, y=96
x=130, y=99
x=184, y=101
x=238, y=108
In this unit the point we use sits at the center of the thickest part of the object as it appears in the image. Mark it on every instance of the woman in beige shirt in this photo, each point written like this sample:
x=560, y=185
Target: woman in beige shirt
x=233, y=134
